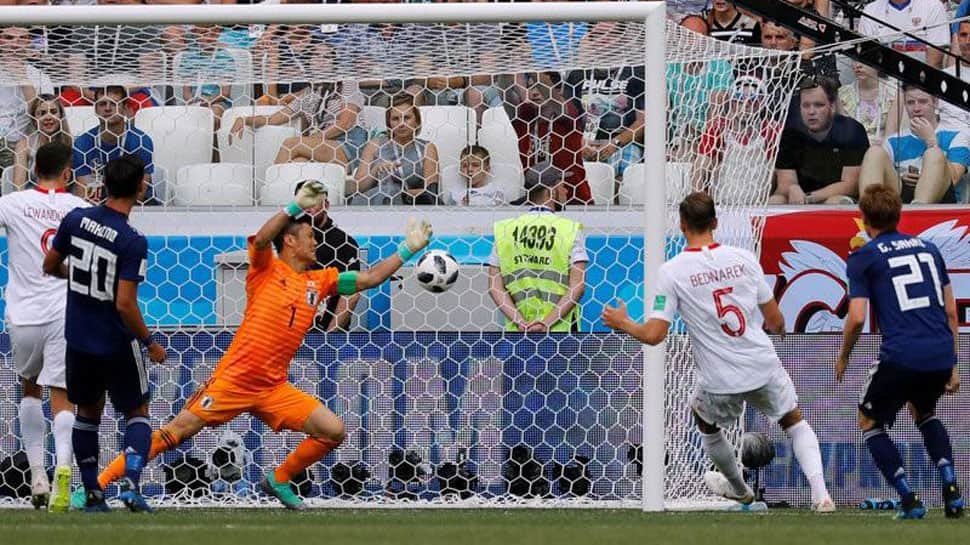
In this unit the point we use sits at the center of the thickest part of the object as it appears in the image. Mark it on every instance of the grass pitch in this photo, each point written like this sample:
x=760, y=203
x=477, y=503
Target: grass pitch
x=472, y=527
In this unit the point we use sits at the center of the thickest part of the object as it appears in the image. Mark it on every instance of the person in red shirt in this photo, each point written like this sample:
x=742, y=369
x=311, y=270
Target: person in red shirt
x=550, y=129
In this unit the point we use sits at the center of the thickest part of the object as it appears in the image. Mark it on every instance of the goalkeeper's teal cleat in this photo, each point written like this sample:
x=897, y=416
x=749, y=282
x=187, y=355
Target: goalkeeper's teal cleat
x=282, y=492
x=78, y=499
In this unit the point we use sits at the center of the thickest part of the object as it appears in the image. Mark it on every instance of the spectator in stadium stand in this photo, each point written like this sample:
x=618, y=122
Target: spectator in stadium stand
x=328, y=112
x=14, y=119
x=554, y=44
x=872, y=102
x=398, y=168
x=926, y=19
x=114, y=136
x=611, y=101
x=550, y=129
x=537, y=269
x=692, y=89
x=488, y=88
x=116, y=53
x=950, y=115
x=923, y=163
x=204, y=64
x=289, y=55
x=730, y=25
x=475, y=166
x=963, y=10
x=734, y=155
x=819, y=158
x=335, y=248
x=49, y=126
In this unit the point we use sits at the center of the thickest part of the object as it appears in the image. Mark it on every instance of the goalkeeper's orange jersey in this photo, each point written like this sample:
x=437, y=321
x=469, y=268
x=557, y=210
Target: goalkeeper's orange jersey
x=280, y=307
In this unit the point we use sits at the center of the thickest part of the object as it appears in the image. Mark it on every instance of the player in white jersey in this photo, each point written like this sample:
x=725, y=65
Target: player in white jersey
x=721, y=294
x=35, y=318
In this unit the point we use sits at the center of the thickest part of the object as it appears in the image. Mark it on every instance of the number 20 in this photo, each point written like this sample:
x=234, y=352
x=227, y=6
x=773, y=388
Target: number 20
x=93, y=260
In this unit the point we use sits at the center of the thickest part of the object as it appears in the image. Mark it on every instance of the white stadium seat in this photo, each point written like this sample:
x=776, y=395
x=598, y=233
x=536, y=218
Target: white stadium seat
x=264, y=141
x=281, y=181
x=600, y=177
x=499, y=138
x=80, y=119
x=182, y=135
x=214, y=184
x=450, y=128
x=632, y=188
x=6, y=181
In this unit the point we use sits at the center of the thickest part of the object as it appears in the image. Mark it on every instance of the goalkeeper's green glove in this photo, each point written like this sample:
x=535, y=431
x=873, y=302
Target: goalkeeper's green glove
x=417, y=234
x=310, y=195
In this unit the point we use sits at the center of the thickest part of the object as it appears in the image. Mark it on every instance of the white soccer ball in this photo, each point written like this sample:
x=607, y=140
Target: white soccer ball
x=437, y=270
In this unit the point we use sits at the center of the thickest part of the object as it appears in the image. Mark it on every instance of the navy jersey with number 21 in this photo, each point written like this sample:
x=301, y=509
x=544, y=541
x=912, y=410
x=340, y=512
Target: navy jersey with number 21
x=102, y=249
x=903, y=277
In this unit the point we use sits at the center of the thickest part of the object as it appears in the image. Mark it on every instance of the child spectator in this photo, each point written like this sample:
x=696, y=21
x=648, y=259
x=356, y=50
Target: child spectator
x=476, y=168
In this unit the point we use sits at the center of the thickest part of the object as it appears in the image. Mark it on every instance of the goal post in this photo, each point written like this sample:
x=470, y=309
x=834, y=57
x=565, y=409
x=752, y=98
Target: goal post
x=427, y=382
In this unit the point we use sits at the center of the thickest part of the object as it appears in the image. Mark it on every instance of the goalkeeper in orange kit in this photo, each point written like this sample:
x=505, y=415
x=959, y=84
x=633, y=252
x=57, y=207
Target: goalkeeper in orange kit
x=282, y=298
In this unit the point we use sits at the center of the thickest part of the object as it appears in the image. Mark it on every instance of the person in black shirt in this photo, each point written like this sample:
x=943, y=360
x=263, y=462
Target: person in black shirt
x=819, y=158
x=335, y=248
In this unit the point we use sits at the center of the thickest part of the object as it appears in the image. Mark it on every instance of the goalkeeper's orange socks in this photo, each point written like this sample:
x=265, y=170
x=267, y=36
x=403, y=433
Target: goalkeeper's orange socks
x=307, y=453
x=163, y=440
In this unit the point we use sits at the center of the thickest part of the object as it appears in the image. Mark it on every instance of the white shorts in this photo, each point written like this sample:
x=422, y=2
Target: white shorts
x=775, y=399
x=39, y=352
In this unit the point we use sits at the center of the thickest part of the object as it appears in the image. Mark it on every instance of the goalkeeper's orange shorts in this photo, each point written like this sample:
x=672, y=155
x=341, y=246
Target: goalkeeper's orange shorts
x=282, y=407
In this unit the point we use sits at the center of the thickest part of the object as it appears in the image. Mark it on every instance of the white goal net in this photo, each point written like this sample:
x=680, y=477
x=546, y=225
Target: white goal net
x=446, y=121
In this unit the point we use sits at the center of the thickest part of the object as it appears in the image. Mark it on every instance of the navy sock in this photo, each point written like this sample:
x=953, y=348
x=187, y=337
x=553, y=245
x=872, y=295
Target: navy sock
x=938, y=446
x=85, y=440
x=138, y=440
x=887, y=459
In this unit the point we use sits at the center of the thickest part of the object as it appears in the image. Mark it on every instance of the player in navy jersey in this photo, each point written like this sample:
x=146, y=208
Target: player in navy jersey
x=104, y=328
x=905, y=280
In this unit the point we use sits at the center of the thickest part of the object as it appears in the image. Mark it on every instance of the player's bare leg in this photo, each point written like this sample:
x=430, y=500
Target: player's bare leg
x=62, y=427
x=727, y=480
x=32, y=432
x=805, y=445
x=326, y=432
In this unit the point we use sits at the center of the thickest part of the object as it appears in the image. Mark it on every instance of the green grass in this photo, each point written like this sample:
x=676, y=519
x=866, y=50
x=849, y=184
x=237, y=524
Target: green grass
x=471, y=527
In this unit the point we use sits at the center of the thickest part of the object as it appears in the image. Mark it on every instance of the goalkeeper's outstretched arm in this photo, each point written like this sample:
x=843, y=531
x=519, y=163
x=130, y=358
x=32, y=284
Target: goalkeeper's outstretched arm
x=416, y=237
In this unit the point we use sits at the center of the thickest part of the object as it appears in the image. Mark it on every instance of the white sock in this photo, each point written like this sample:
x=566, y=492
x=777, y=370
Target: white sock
x=63, y=429
x=32, y=430
x=805, y=444
x=722, y=454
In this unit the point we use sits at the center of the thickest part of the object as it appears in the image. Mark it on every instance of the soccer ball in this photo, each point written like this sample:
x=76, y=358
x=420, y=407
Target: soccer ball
x=437, y=270
x=757, y=450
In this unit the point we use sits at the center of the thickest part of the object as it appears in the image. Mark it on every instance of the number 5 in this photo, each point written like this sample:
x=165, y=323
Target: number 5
x=723, y=310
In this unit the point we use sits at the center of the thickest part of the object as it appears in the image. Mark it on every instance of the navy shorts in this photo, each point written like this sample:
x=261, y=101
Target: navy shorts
x=123, y=376
x=889, y=388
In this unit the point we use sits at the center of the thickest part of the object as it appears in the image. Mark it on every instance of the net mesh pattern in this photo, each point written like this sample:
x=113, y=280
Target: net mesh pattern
x=440, y=406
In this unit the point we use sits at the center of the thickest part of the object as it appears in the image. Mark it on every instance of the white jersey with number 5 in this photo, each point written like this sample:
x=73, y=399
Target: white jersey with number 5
x=31, y=218
x=717, y=290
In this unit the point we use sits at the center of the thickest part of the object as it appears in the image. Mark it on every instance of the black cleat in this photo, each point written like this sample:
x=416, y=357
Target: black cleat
x=952, y=501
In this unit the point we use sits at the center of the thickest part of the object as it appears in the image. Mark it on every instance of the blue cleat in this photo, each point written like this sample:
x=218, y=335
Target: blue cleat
x=952, y=501
x=132, y=499
x=911, y=509
x=94, y=502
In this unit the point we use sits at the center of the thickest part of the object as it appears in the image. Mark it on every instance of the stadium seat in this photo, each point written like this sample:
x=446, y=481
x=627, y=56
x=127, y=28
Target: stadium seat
x=499, y=138
x=282, y=179
x=80, y=119
x=450, y=128
x=267, y=139
x=373, y=120
x=214, y=184
x=182, y=135
x=6, y=181
x=600, y=178
x=497, y=116
x=160, y=185
x=631, y=189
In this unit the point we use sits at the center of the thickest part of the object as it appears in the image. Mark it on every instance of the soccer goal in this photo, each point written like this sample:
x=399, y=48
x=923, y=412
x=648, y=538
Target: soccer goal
x=449, y=112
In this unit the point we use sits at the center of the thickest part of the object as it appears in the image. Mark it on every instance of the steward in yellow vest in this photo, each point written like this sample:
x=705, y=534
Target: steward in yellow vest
x=537, y=273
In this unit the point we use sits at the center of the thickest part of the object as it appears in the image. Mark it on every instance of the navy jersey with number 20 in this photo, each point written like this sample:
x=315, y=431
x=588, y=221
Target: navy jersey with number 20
x=102, y=249
x=903, y=277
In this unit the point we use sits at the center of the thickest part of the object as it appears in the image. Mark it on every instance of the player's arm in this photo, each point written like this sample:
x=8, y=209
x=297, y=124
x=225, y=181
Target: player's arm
x=854, y=320
x=774, y=319
x=653, y=332
x=950, y=305
x=54, y=264
x=416, y=237
x=131, y=270
x=309, y=196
